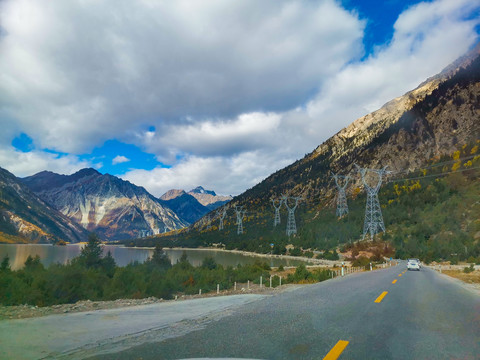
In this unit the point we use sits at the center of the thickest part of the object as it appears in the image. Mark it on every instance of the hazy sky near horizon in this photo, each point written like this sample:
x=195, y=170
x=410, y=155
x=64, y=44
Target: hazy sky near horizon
x=175, y=94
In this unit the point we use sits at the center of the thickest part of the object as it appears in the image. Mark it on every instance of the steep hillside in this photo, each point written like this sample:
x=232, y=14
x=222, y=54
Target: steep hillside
x=25, y=218
x=436, y=123
x=114, y=208
x=187, y=207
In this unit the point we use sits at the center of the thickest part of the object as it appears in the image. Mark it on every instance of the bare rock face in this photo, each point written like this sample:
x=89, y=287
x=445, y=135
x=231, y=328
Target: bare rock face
x=209, y=198
x=26, y=218
x=432, y=120
x=112, y=207
x=172, y=194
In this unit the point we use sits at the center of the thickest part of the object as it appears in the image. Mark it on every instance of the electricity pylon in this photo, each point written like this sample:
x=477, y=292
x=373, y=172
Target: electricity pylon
x=373, y=213
x=221, y=215
x=342, y=207
x=291, y=225
x=276, y=220
x=240, y=214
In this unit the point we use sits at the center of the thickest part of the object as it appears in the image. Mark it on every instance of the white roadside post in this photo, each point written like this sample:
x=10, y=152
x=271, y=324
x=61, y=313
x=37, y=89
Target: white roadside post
x=261, y=282
x=218, y=288
x=200, y=292
x=370, y=266
x=270, y=281
x=235, y=286
x=248, y=284
x=343, y=274
x=280, y=281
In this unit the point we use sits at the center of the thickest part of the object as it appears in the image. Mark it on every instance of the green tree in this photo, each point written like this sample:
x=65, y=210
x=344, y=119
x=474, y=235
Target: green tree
x=160, y=259
x=209, y=263
x=5, y=265
x=91, y=255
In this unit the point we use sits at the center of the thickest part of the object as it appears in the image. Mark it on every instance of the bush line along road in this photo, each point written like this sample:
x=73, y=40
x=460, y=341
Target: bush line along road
x=382, y=314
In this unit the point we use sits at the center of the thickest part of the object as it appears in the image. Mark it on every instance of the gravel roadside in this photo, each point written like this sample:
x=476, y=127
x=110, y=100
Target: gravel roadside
x=29, y=311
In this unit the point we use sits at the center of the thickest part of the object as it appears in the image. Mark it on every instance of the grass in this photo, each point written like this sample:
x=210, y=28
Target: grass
x=470, y=278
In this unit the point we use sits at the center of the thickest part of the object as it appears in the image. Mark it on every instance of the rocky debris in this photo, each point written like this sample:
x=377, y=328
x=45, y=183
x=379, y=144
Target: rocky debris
x=27, y=311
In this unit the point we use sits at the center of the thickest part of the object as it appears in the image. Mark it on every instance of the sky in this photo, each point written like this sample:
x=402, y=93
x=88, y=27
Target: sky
x=217, y=93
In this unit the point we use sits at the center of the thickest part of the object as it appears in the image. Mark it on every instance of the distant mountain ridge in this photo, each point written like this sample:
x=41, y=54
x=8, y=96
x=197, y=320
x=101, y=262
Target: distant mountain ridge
x=110, y=206
x=209, y=198
x=24, y=217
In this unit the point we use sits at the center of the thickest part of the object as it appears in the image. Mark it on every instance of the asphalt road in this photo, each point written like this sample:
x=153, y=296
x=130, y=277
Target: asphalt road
x=423, y=315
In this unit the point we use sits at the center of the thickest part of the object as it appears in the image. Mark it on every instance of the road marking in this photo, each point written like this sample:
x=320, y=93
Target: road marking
x=382, y=295
x=336, y=350
x=399, y=274
x=394, y=281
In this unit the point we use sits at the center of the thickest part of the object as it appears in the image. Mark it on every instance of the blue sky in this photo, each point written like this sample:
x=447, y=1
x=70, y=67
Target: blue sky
x=219, y=94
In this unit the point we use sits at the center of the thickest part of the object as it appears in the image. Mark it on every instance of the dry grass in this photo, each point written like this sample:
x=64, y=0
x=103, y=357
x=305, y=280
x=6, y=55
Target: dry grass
x=470, y=278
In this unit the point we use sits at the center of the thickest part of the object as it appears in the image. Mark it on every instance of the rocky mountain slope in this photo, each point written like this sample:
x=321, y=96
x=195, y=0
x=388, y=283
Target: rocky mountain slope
x=187, y=207
x=196, y=203
x=209, y=198
x=24, y=217
x=433, y=130
x=112, y=207
x=427, y=122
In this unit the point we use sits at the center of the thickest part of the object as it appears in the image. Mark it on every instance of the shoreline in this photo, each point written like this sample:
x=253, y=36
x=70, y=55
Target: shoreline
x=316, y=262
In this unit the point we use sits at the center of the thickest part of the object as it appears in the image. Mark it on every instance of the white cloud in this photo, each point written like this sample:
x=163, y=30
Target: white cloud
x=23, y=164
x=119, y=159
x=227, y=176
x=91, y=71
x=236, y=90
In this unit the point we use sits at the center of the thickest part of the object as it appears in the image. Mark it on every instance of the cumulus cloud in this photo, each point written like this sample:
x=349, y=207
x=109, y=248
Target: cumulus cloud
x=119, y=159
x=226, y=175
x=23, y=164
x=90, y=70
x=234, y=89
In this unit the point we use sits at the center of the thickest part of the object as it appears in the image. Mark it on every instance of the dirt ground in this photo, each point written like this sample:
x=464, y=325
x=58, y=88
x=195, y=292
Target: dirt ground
x=470, y=278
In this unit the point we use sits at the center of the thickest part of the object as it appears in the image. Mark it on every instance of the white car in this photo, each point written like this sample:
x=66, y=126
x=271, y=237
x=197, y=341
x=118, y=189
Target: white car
x=413, y=264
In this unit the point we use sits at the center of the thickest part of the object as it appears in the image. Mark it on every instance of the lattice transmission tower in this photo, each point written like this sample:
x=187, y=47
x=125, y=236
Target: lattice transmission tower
x=240, y=215
x=342, y=207
x=291, y=225
x=373, y=213
x=221, y=215
x=276, y=220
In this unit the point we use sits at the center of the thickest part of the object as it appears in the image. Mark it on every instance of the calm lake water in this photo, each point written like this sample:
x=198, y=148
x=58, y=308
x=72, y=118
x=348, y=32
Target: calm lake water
x=49, y=254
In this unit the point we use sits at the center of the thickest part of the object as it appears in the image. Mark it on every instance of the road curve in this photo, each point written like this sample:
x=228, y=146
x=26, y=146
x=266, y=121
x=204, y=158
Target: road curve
x=421, y=315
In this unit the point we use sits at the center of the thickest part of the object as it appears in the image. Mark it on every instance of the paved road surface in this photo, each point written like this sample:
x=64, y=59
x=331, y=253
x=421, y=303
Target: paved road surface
x=424, y=315
x=78, y=335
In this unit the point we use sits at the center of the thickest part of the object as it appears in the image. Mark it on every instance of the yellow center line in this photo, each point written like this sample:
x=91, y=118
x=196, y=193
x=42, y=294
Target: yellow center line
x=336, y=350
x=399, y=274
x=382, y=295
x=394, y=281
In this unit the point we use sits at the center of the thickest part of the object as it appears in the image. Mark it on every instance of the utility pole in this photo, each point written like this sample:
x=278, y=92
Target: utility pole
x=222, y=217
x=342, y=207
x=276, y=220
x=291, y=225
x=373, y=214
x=240, y=215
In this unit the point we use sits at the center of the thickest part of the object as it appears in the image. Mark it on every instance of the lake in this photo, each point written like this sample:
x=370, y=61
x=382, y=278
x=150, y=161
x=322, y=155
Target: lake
x=50, y=254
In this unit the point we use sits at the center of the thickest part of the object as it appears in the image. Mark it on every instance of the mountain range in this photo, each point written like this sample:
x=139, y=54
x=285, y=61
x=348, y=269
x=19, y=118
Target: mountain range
x=194, y=204
x=113, y=208
x=24, y=217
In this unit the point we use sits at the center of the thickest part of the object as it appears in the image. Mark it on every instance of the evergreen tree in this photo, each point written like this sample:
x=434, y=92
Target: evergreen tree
x=5, y=265
x=160, y=259
x=91, y=255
